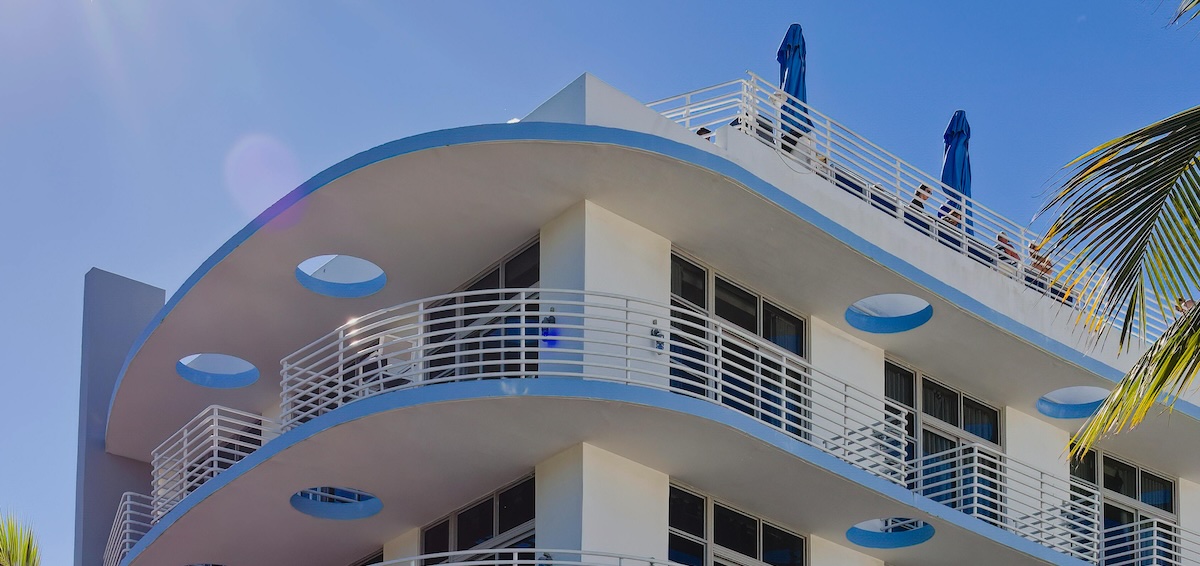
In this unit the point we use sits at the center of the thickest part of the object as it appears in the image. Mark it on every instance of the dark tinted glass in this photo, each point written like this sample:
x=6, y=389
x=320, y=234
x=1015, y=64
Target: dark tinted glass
x=783, y=329
x=736, y=305
x=436, y=539
x=981, y=420
x=685, y=551
x=939, y=402
x=1158, y=492
x=489, y=281
x=1120, y=477
x=1085, y=468
x=522, y=271
x=475, y=525
x=687, y=281
x=1116, y=516
x=686, y=512
x=516, y=505
x=899, y=384
x=735, y=531
x=781, y=548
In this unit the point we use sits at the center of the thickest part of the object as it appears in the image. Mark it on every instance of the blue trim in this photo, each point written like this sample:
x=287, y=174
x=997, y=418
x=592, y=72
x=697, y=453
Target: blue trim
x=336, y=511
x=577, y=133
x=887, y=324
x=217, y=380
x=899, y=539
x=575, y=388
x=341, y=290
x=1057, y=410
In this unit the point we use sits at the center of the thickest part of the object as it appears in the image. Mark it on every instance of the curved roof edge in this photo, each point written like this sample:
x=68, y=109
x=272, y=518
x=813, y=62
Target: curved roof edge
x=578, y=133
x=600, y=391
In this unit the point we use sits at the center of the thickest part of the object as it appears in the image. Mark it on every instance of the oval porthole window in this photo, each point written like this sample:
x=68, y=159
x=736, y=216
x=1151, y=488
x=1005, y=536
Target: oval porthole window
x=338, y=503
x=341, y=276
x=894, y=532
x=219, y=371
x=889, y=313
x=1077, y=402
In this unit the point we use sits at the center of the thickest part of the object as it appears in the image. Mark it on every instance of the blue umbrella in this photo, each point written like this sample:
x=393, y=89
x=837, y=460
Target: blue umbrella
x=956, y=160
x=791, y=57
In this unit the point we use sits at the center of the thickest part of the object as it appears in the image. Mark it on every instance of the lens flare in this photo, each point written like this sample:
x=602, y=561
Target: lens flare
x=259, y=171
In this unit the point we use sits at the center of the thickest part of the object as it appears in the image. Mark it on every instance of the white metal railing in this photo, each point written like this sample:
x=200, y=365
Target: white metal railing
x=1150, y=542
x=532, y=333
x=893, y=187
x=210, y=443
x=1060, y=513
x=527, y=557
x=133, y=519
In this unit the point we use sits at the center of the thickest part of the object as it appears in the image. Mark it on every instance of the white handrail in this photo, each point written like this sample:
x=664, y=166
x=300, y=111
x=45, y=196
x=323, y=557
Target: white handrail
x=132, y=520
x=1150, y=542
x=527, y=557
x=1057, y=512
x=539, y=333
x=211, y=442
x=891, y=185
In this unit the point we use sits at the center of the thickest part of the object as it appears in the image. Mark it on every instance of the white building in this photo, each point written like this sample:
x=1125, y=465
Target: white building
x=617, y=334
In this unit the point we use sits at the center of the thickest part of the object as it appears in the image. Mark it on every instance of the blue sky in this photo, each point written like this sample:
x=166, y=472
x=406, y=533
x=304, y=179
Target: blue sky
x=137, y=136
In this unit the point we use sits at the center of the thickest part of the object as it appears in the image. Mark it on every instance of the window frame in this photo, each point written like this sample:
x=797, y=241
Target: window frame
x=924, y=420
x=714, y=551
x=498, y=539
x=1140, y=509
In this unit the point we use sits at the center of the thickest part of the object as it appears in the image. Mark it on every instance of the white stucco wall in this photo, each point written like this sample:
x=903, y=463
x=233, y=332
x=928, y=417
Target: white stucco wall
x=1189, y=504
x=589, y=498
x=845, y=357
x=822, y=552
x=403, y=546
x=1036, y=442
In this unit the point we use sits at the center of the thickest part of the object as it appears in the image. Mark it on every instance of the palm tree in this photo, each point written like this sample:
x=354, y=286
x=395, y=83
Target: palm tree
x=1132, y=207
x=18, y=545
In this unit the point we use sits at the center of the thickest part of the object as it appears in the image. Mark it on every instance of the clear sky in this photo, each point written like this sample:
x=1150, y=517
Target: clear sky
x=138, y=135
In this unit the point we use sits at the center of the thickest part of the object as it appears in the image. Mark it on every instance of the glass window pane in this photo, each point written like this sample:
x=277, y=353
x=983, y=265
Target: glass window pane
x=475, y=525
x=516, y=505
x=436, y=539
x=736, y=305
x=899, y=385
x=687, y=281
x=939, y=402
x=685, y=551
x=783, y=329
x=522, y=271
x=781, y=548
x=489, y=281
x=1158, y=492
x=1120, y=477
x=1085, y=468
x=981, y=420
x=686, y=512
x=735, y=531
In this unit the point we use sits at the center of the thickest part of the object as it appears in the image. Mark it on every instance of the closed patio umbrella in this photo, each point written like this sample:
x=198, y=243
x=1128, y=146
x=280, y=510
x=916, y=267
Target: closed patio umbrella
x=791, y=58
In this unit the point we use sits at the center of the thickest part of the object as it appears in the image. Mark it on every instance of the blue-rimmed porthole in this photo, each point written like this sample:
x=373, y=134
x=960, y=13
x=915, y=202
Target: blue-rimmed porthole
x=341, y=276
x=338, y=503
x=1077, y=402
x=219, y=371
x=889, y=313
x=894, y=532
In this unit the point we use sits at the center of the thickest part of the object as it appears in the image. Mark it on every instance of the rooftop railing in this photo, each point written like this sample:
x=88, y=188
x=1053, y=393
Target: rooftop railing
x=210, y=443
x=893, y=187
x=531, y=333
x=1150, y=542
x=133, y=519
x=527, y=557
x=984, y=483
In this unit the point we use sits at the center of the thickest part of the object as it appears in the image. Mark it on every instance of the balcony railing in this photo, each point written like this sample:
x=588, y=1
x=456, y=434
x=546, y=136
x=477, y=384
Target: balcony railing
x=527, y=557
x=531, y=333
x=986, y=484
x=1150, y=542
x=210, y=443
x=133, y=519
x=849, y=161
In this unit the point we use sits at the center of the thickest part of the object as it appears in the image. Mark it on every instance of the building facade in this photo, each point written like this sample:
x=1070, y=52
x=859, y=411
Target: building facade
x=696, y=331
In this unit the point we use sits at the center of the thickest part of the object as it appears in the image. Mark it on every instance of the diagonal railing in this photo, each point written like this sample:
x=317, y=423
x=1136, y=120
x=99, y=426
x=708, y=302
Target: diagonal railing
x=215, y=439
x=132, y=520
x=896, y=189
x=984, y=483
x=532, y=333
x=1150, y=542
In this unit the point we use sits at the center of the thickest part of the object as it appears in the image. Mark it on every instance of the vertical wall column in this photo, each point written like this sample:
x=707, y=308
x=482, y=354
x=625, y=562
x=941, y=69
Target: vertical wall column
x=588, y=248
x=592, y=499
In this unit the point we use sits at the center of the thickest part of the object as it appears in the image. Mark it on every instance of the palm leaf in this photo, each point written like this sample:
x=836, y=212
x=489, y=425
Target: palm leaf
x=1187, y=11
x=18, y=545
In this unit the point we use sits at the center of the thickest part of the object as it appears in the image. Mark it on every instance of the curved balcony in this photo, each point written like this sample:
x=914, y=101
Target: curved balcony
x=132, y=520
x=532, y=333
x=527, y=557
x=1150, y=542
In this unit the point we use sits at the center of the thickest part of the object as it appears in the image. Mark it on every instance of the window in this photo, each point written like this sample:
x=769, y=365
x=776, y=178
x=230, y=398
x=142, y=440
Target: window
x=503, y=519
x=950, y=414
x=1132, y=499
x=730, y=538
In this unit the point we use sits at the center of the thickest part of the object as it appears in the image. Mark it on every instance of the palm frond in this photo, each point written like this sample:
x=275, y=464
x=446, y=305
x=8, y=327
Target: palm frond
x=18, y=545
x=1187, y=11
